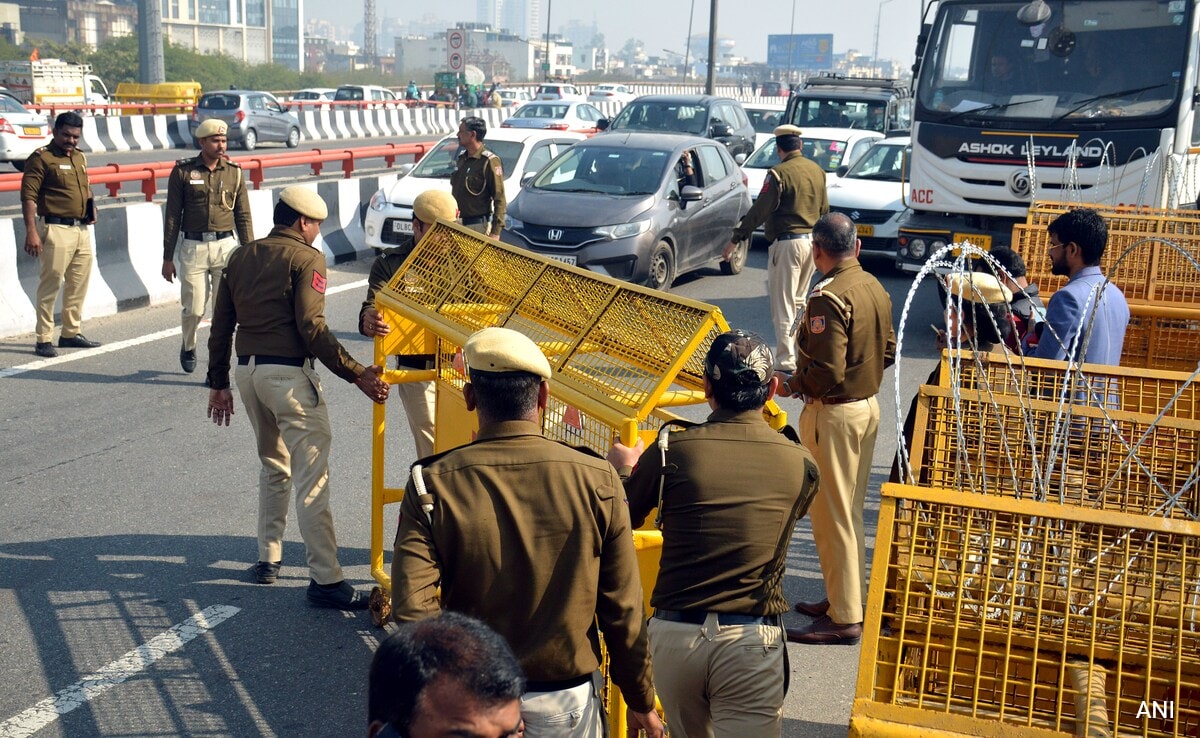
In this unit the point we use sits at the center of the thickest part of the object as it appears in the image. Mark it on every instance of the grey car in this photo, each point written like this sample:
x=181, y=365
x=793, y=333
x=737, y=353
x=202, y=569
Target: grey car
x=618, y=205
x=253, y=118
x=720, y=118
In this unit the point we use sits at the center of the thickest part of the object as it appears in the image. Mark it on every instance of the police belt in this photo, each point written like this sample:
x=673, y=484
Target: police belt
x=55, y=220
x=268, y=359
x=557, y=685
x=475, y=220
x=793, y=236
x=207, y=235
x=832, y=400
x=697, y=617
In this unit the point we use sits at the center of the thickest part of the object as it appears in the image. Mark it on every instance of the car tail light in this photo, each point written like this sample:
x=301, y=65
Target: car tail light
x=241, y=116
x=745, y=182
x=557, y=126
x=5, y=126
x=506, y=124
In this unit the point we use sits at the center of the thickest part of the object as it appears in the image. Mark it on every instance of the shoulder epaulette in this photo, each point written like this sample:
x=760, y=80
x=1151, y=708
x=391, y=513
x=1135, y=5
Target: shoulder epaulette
x=233, y=163
x=822, y=290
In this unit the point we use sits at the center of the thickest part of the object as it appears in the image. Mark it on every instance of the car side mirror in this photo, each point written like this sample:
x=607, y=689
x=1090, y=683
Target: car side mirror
x=405, y=169
x=740, y=158
x=528, y=176
x=720, y=130
x=602, y=124
x=691, y=193
x=841, y=171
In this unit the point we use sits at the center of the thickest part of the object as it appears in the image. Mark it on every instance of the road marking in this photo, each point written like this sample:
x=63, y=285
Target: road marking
x=48, y=710
x=107, y=348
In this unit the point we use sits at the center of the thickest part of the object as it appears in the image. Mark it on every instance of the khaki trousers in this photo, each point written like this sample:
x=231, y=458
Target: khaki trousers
x=420, y=402
x=719, y=681
x=201, y=264
x=291, y=424
x=842, y=438
x=66, y=262
x=567, y=713
x=790, y=271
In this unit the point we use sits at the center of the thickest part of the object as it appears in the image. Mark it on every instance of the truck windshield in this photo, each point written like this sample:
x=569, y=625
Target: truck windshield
x=1090, y=61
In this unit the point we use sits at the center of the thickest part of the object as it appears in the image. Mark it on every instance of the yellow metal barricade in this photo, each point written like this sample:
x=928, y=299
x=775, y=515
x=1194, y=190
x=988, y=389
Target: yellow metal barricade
x=622, y=355
x=177, y=97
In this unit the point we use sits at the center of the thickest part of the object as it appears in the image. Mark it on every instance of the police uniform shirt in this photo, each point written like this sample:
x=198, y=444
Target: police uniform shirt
x=57, y=182
x=478, y=187
x=532, y=537
x=204, y=201
x=383, y=269
x=273, y=291
x=726, y=524
x=792, y=199
x=845, y=338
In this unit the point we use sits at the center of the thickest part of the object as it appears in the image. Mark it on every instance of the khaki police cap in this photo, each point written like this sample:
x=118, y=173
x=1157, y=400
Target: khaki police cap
x=979, y=287
x=788, y=130
x=212, y=127
x=304, y=201
x=504, y=350
x=432, y=205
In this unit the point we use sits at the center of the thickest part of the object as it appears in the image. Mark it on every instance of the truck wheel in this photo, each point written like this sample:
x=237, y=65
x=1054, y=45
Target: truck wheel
x=293, y=139
x=250, y=140
x=18, y=164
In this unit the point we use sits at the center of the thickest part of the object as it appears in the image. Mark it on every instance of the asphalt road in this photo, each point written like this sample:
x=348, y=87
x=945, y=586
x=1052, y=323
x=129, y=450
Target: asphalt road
x=126, y=513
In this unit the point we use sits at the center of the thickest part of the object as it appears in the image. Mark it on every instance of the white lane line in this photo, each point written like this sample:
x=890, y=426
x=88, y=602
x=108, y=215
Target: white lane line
x=48, y=710
x=107, y=348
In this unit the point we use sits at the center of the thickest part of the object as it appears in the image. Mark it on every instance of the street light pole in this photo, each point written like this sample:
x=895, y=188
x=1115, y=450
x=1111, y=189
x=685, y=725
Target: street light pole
x=710, y=84
x=687, y=52
x=875, y=51
x=791, y=42
x=549, y=64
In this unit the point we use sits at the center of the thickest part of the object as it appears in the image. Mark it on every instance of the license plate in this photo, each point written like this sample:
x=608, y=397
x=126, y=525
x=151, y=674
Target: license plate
x=401, y=226
x=33, y=130
x=977, y=240
x=564, y=259
x=866, y=230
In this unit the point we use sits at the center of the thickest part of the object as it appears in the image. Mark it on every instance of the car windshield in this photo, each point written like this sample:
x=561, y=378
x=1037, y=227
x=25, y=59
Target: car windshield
x=439, y=163
x=308, y=96
x=607, y=170
x=827, y=153
x=764, y=121
x=219, y=102
x=836, y=112
x=662, y=116
x=10, y=105
x=882, y=162
x=352, y=93
x=537, y=110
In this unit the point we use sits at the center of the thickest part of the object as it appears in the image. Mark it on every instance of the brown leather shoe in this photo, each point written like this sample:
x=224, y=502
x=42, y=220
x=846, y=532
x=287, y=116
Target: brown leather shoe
x=825, y=632
x=812, y=609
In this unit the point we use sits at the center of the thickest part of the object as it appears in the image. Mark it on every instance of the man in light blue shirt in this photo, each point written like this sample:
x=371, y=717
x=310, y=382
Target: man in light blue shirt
x=1087, y=318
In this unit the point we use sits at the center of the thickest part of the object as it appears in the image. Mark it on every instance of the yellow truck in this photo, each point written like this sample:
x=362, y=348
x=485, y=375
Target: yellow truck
x=52, y=82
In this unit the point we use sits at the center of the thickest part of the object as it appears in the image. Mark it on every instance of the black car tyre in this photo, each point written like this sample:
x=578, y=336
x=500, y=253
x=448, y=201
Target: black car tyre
x=737, y=261
x=250, y=140
x=293, y=139
x=661, y=269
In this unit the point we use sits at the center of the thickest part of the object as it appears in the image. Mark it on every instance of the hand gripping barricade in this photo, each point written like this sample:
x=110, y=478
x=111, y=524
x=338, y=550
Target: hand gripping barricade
x=1038, y=574
x=622, y=355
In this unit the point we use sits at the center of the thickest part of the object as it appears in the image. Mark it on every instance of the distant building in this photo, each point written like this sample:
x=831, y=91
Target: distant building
x=521, y=18
x=499, y=54
x=254, y=31
x=90, y=23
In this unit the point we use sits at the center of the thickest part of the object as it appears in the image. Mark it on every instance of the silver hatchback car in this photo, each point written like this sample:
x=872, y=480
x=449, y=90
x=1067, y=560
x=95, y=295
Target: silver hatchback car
x=253, y=118
x=623, y=205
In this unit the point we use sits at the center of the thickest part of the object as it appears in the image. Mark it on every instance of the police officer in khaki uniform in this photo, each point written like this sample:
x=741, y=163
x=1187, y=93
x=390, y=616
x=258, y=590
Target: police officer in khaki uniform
x=478, y=180
x=206, y=199
x=419, y=398
x=57, y=206
x=532, y=537
x=716, y=636
x=792, y=198
x=845, y=341
x=273, y=292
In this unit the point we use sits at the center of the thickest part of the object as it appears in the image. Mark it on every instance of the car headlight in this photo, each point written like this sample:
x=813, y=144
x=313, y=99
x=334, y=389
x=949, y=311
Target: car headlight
x=623, y=230
x=378, y=200
x=917, y=248
x=512, y=223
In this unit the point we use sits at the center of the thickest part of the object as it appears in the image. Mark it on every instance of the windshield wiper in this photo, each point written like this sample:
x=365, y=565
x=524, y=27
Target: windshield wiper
x=986, y=108
x=1106, y=96
x=886, y=176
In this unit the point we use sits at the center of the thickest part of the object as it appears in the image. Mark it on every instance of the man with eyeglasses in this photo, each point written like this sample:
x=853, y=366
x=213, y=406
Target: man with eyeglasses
x=1087, y=318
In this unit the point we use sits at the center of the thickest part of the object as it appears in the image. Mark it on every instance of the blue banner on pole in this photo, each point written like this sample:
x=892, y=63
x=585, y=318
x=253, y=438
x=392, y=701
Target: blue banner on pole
x=800, y=51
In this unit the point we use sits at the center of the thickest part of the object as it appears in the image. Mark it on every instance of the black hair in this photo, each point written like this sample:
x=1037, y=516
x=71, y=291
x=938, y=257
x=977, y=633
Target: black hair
x=740, y=397
x=1007, y=258
x=450, y=646
x=836, y=234
x=69, y=119
x=991, y=323
x=285, y=215
x=505, y=395
x=476, y=125
x=1086, y=228
x=788, y=143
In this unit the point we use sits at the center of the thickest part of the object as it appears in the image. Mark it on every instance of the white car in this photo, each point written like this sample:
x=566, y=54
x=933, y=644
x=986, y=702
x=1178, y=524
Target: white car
x=558, y=91
x=522, y=151
x=21, y=132
x=830, y=148
x=765, y=117
x=511, y=98
x=873, y=192
x=610, y=93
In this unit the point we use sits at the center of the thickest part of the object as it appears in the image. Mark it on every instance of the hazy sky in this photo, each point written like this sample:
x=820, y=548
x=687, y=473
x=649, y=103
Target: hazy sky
x=664, y=23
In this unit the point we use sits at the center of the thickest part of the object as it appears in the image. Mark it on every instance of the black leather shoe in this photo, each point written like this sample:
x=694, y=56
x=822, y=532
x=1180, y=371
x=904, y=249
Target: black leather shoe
x=825, y=632
x=45, y=348
x=336, y=596
x=76, y=342
x=187, y=360
x=266, y=572
x=812, y=609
